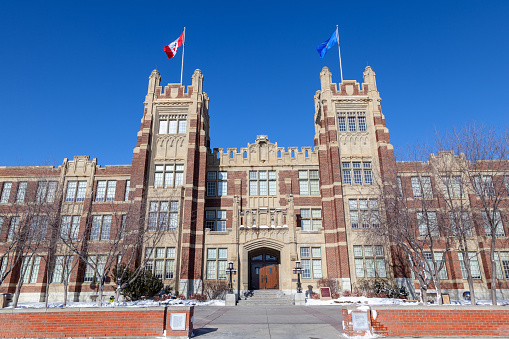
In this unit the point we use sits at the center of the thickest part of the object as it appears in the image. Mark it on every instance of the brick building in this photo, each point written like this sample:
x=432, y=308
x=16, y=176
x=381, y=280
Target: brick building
x=263, y=206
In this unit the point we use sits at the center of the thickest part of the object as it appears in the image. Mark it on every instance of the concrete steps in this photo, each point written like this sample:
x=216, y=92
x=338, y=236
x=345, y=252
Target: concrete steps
x=264, y=297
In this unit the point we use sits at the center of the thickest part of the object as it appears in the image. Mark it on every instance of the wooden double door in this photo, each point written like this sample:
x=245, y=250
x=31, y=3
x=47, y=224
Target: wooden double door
x=264, y=271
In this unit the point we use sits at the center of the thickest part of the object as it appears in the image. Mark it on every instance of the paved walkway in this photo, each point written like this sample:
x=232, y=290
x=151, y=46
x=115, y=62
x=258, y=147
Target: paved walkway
x=263, y=322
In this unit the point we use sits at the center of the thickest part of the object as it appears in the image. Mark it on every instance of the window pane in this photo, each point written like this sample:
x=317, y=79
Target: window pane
x=303, y=187
x=170, y=252
x=359, y=268
x=101, y=190
x=223, y=253
x=317, y=269
x=172, y=127
x=163, y=126
x=357, y=251
x=304, y=252
x=211, y=253
x=306, y=267
x=170, y=269
x=182, y=126
x=221, y=269
x=316, y=252
x=211, y=270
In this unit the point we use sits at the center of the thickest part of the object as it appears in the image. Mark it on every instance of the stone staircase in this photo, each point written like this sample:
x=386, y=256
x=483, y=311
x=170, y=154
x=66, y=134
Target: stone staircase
x=264, y=297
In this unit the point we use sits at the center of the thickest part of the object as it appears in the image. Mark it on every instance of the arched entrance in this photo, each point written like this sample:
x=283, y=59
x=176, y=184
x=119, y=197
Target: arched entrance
x=264, y=269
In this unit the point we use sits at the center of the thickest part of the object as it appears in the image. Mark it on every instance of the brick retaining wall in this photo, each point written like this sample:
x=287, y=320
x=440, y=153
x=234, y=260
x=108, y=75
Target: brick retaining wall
x=92, y=322
x=432, y=320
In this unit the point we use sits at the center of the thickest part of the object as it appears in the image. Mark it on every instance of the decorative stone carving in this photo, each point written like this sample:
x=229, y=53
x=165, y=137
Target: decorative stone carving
x=170, y=147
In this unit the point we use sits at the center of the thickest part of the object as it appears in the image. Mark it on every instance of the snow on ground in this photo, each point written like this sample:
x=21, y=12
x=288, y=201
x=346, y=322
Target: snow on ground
x=343, y=301
x=138, y=303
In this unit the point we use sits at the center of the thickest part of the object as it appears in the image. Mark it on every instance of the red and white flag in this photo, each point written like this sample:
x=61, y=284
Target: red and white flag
x=171, y=49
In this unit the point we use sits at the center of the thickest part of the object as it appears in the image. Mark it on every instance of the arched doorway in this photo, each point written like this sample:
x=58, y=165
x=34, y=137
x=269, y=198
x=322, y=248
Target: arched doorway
x=264, y=269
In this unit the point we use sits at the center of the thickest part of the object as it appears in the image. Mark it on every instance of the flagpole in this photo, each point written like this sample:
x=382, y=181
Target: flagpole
x=339, y=49
x=183, y=47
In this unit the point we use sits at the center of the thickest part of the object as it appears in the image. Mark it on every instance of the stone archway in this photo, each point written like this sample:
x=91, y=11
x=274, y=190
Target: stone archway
x=264, y=269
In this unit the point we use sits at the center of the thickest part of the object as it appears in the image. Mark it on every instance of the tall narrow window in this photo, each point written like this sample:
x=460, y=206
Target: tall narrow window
x=495, y=220
x=428, y=225
x=342, y=124
x=351, y=124
x=362, y=123
x=13, y=228
x=474, y=266
x=126, y=194
x=22, y=189
x=6, y=192
x=347, y=173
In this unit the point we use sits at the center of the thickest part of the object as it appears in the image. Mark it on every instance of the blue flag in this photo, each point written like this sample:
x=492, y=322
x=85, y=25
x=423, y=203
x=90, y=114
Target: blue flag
x=326, y=45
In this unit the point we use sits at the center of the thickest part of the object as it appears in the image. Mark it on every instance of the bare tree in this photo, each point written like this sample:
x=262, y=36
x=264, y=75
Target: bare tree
x=481, y=161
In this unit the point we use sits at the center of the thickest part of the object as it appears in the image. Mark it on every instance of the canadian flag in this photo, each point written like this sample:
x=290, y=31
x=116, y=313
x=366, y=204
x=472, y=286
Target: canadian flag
x=171, y=49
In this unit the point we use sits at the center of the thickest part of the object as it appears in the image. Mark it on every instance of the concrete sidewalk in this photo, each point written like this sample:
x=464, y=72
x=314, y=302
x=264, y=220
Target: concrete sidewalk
x=275, y=322
x=264, y=322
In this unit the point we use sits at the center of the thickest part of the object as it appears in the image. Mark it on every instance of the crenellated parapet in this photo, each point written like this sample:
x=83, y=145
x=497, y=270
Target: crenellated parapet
x=262, y=153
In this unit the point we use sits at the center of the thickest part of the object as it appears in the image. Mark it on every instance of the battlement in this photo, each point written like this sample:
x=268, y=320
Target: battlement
x=349, y=87
x=263, y=153
x=175, y=90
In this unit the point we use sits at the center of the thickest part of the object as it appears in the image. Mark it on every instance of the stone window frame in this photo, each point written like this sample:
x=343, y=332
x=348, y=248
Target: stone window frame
x=357, y=172
x=311, y=262
x=180, y=123
x=315, y=221
x=262, y=178
x=76, y=190
x=217, y=183
x=69, y=228
x=352, y=121
x=309, y=182
x=216, y=263
x=363, y=215
x=165, y=172
x=101, y=227
x=161, y=261
x=215, y=217
x=30, y=268
x=422, y=187
x=369, y=261
x=163, y=215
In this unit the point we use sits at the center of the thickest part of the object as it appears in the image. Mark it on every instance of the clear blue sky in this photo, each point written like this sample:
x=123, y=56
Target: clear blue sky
x=73, y=75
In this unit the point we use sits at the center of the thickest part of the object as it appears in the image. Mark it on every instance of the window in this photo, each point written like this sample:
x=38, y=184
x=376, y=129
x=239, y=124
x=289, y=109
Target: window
x=62, y=270
x=39, y=227
x=311, y=260
x=106, y=190
x=342, y=124
x=369, y=261
x=483, y=185
x=311, y=219
x=70, y=226
x=262, y=183
x=465, y=226
x=215, y=220
x=497, y=222
x=96, y=261
x=22, y=189
x=126, y=194
x=169, y=175
x=217, y=184
x=216, y=263
x=30, y=269
x=6, y=192
x=13, y=228
x=1, y=224
x=76, y=191
x=428, y=225
x=161, y=262
x=506, y=182
x=356, y=121
x=502, y=262
x=172, y=124
x=101, y=225
x=474, y=266
x=364, y=213
x=309, y=183
x=46, y=191
x=400, y=187
x=453, y=187
x=362, y=173
x=163, y=215
x=439, y=259
x=422, y=188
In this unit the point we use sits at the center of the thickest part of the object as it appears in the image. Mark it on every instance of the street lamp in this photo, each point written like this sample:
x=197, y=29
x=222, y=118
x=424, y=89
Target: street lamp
x=230, y=271
x=298, y=270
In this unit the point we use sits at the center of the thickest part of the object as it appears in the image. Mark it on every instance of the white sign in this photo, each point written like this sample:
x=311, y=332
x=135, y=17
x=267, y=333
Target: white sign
x=178, y=321
x=360, y=321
